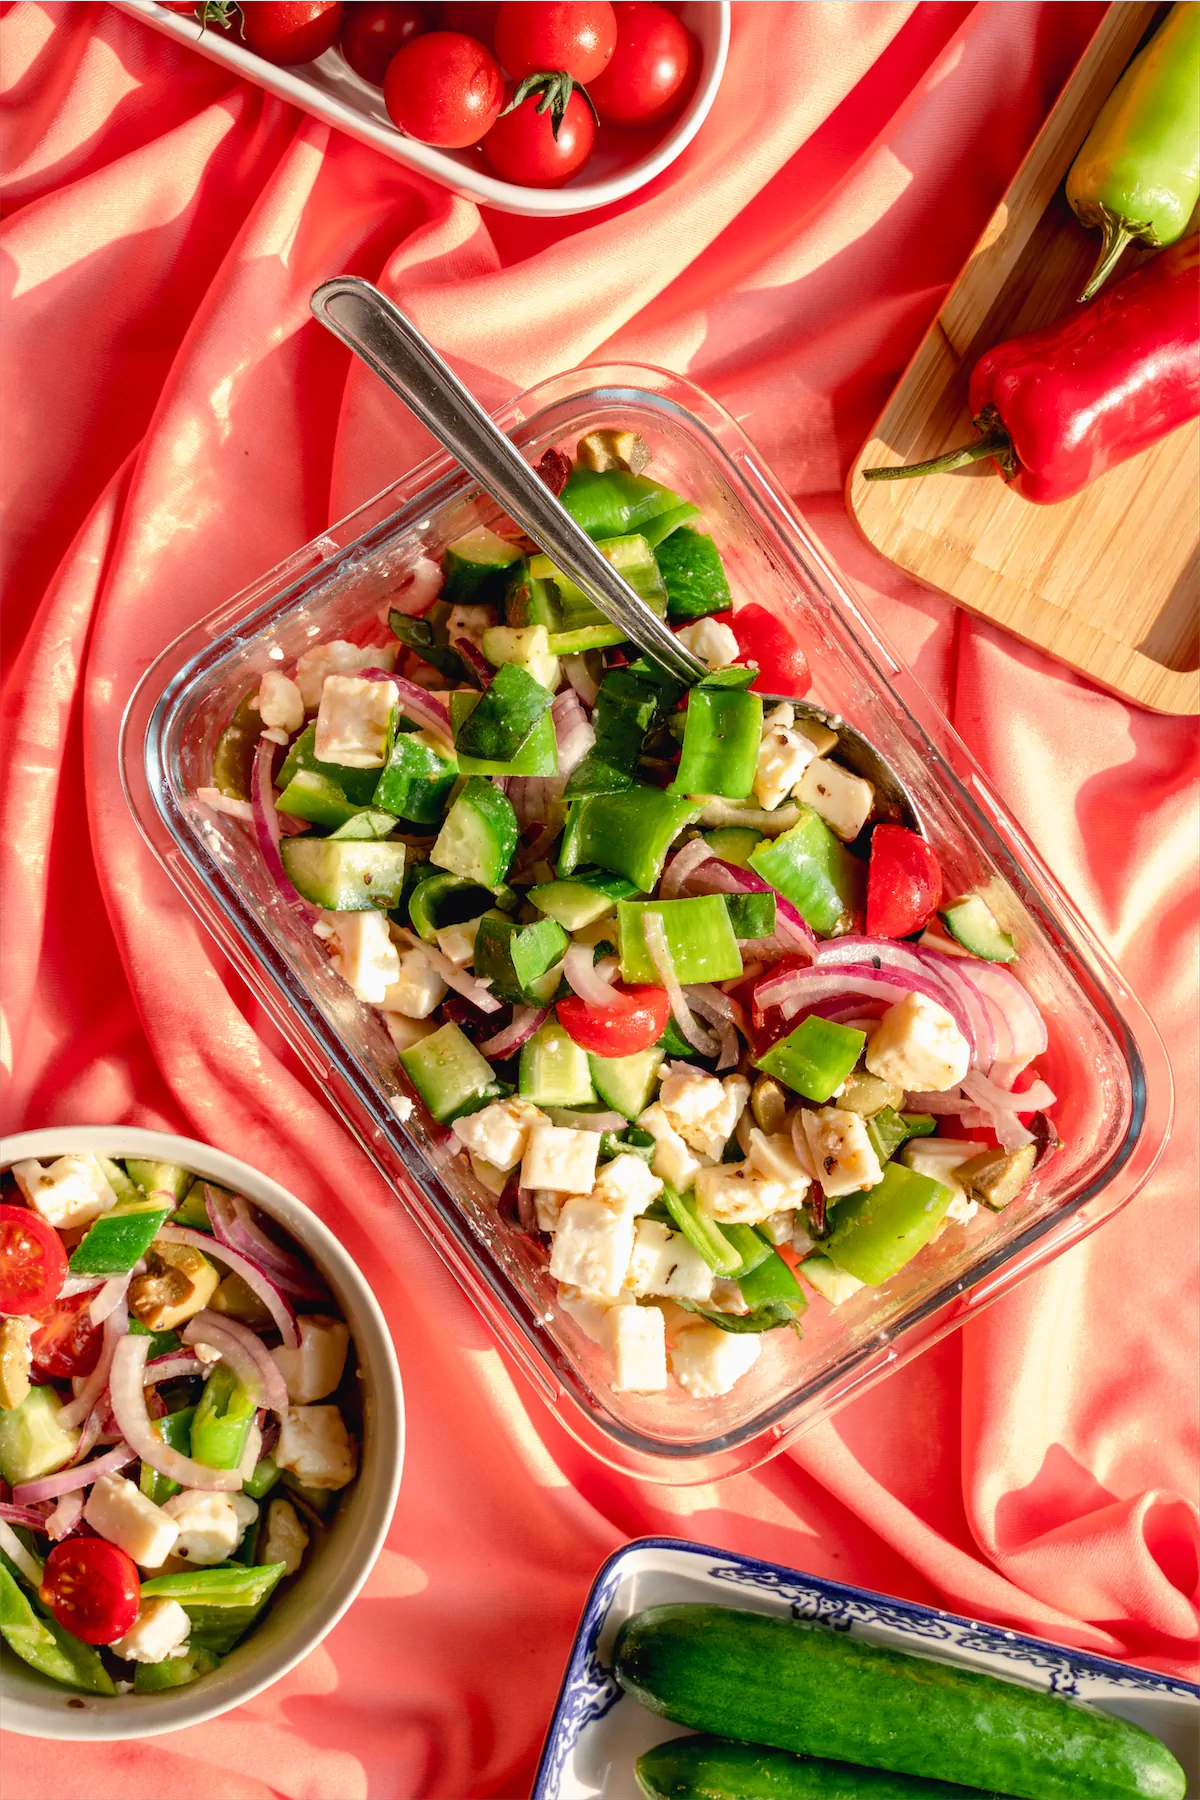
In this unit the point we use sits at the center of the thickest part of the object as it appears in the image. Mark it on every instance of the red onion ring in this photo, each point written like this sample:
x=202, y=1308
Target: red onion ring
x=115, y=1327
x=901, y=968
x=682, y=866
x=655, y=934
x=66, y=1515
x=129, y=1405
x=1035, y=1098
x=246, y=1355
x=233, y=1225
x=588, y=979
x=79, y=1475
x=277, y=1304
x=573, y=733
x=477, y=664
x=723, y=1011
x=417, y=703
x=23, y=1515
x=29, y=1565
x=108, y=1297
x=525, y=1021
x=1013, y=1007
x=576, y=671
x=267, y=833
x=173, y=1367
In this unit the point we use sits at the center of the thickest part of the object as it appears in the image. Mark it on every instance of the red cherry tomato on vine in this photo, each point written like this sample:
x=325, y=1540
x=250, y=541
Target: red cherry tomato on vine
x=444, y=89
x=766, y=640
x=66, y=1343
x=373, y=31
x=476, y=17
x=904, y=882
x=93, y=1589
x=33, y=1263
x=577, y=36
x=522, y=147
x=636, y=1020
x=290, y=33
x=652, y=70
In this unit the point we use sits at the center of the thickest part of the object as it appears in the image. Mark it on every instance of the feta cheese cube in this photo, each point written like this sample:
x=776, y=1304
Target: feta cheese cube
x=918, y=1046
x=841, y=1150
x=404, y=1033
x=738, y=1194
x=843, y=800
x=458, y=942
x=636, y=1339
x=118, y=1511
x=547, y=1208
x=713, y=642
x=353, y=721
x=592, y=1246
x=470, y=622
x=589, y=1311
x=499, y=1133
x=364, y=954
x=702, y=1109
x=775, y=1156
x=939, y=1158
x=559, y=1158
x=627, y=1184
x=314, y=1368
x=72, y=1191
x=211, y=1525
x=418, y=990
x=280, y=703
x=286, y=1537
x=707, y=1361
x=663, y=1262
x=337, y=658
x=783, y=756
x=161, y=1627
x=672, y=1159
x=315, y=1445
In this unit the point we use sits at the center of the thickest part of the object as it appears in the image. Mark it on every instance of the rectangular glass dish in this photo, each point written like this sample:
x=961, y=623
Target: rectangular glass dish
x=1105, y=1060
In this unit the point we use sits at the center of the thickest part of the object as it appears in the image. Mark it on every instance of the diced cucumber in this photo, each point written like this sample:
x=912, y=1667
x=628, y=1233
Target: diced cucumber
x=119, y=1239
x=358, y=785
x=655, y=530
x=442, y=900
x=554, y=1070
x=344, y=877
x=32, y=1442
x=418, y=777
x=971, y=924
x=813, y=869
x=318, y=799
x=628, y=833
x=627, y=1083
x=192, y=1211
x=501, y=718
x=751, y=915
x=448, y=1072
x=474, y=567
x=158, y=1177
x=369, y=826
x=833, y=1284
x=693, y=575
x=538, y=755
x=583, y=899
x=514, y=957
x=478, y=839
x=608, y=503
x=528, y=646
x=699, y=937
x=631, y=556
x=733, y=843
x=530, y=600
x=815, y=1058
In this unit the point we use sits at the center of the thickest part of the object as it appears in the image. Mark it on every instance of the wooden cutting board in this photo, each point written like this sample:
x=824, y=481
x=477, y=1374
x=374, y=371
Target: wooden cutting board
x=1109, y=581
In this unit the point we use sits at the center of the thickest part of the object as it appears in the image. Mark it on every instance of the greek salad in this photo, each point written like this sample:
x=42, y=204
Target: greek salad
x=177, y=1397
x=690, y=1003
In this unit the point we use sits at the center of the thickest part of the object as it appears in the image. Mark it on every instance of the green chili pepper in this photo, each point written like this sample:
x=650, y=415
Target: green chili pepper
x=628, y=833
x=176, y=1432
x=46, y=1646
x=119, y=1239
x=720, y=744
x=701, y=1232
x=816, y=1058
x=222, y=1603
x=266, y=1474
x=699, y=937
x=876, y=1231
x=174, y=1671
x=222, y=1420
x=1138, y=174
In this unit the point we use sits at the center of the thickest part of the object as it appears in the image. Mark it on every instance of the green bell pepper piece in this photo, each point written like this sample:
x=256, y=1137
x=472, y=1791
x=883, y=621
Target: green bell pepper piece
x=515, y=957
x=46, y=1646
x=628, y=833
x=317, y=798
x=815, y=1059
x=174, y=1671
x=160, y=1341
x=358, y=785
x=876, y=1231
x=222, y=1420
x=443, y=899
x=813, y=869
x=628, y=707
x=701, y=1232
x=175, y=1430
x=502, y=718
x=721, y=737
x=750, y=915
x=416, y=783
x=771, y=1283
x=538, y=755
x=699, y=937
x=222, y=1602
x=611, y=502
x=663, y=524
x=119, y=1239
x=887, y=1131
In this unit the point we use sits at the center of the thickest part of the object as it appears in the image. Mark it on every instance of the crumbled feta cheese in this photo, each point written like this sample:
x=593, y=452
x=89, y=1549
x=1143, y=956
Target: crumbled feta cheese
x=458, y=942
x=636, y=1339
x=841, y=1150
x=315, y=1445
x=783, y=756
x=592, y=1246
x=353, y=721
x=714, y=643
x=559, y=1158
x=547, y=1207
x=286, y=1537
x=775, y=1156
x=72, y=1191
x=314, y=1368
x=843, y=800
x=417, y=990
x=707, y=1361
x=499, y=1133
x=365, y=955
x=118, y=1511
x=280, y=703
x=404, y=1033
x=663, y=1262
x=672, y=1159
x=702, y=1109
x=211, y=1525
x=161, y=1627
x=590, y=1310
x=939, y=1158
x=337, y=658
x=470, y=622
x=627, y=1184
x=918, y=1046
x=738, y=1194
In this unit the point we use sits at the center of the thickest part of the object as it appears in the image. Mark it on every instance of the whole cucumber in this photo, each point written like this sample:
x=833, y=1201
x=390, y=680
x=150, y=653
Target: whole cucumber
x=710, y=1768
x=800, y=1687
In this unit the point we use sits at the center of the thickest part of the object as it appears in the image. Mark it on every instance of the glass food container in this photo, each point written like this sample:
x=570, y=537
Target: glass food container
x=1105, y=1060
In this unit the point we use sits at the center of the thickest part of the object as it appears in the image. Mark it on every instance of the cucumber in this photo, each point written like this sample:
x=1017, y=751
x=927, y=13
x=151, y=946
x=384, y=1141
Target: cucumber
x=345, y=876
x=554, y=1070
x=358, y=785
x=158, y=1177
x=530, y=600
x=32, y=1442
x=583, y=899
x=528, y=646
x=833, y=1284
x=751, y=915
x=814, y=870
x=970, y=923
x=366, y=827
x=538, y=755
x=693, y=575
x=502, y=717
x=317, y=798
x=733, y=843
x=799, y=1687
x=610, y=502
x=449, y=1074
x=515, y=957
x=119, y=1239
x=120, y=1183
x=479, y=837
x=711, y=1768
x=656, y=529
x=626, y=1083
x=475, y=567
x=417, y=779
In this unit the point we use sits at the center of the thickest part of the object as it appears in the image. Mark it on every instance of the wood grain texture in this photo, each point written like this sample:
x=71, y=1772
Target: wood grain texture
x=1109, y=581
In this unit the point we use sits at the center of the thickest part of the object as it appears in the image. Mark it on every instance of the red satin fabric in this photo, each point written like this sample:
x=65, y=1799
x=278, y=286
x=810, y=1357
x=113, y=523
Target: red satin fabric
x=175, y=424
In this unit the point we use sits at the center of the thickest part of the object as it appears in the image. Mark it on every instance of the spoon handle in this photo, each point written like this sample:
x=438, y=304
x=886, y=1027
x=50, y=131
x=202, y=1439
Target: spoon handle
x=395, y=350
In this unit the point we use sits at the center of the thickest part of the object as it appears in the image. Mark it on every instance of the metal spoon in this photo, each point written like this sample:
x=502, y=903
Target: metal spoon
x=390, y=345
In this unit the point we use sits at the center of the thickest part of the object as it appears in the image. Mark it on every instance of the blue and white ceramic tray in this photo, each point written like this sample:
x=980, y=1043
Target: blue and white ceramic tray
x=597, y=1731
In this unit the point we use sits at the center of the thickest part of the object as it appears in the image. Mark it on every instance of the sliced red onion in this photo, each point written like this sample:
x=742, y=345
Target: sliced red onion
x=109, y=1297
x=593, y=982
x=24, y=1559
x=218, y=802
x=576, y=671
x=1035, y=1098
x=66, y=1515
x=476, y=662
x=266, y=831
x=904, y=969
x=723, y=1011
x=525, y=1021
x=276, y=1303
x=78, y=1284
x=115, y=1327
x=246, y=1355
x=805, y=990
x=945, y=1105
x=79, y=1475
x=998, y=1109
x=469, y=986
x=233, y=1224
x=682, y=866
x=418, y=592
x=173, y=1367
x=129, y=1405
x=1012, y=1006
x=573, y=732
x=720, y=877
x=23, y=1515
x=655, y=935
x=417, y=703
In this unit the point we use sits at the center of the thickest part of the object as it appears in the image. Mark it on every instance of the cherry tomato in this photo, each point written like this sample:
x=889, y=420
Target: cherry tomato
x=33, y=1263
x=66, y=1343
x=577, y=36
x=444, y=89
x=653, y=67
x=637, y=1020
x=92, y=1588
x=290, y=33
x=766, y=640
x=374, y=30
x=904, y=882
x=476, y=17
x=522, y=147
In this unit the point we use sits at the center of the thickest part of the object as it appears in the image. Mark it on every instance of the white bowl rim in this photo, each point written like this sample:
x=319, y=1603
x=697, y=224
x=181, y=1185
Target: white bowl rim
x=175, y=1709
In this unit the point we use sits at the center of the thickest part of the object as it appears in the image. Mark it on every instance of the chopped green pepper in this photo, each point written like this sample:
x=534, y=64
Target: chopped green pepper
x=222, y=1420
x=720, y=744
x=701, y=1232
x=609, y=503
x=877, y=1230
x=174, y=1671
x=814, y=1059
x=119, y=1239
x=416, y=783
x=418, y=636
x=266, y=1474
x=175, y=1430
x=538, y=755
x=501, y=720
x=46, y=1646
x=221, y=1602
x=514, y=958
x=810, y=867
x=628, y=833
x=694, y=575
x=700, y=939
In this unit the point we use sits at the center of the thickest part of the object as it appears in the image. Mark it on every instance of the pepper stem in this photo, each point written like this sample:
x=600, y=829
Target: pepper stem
x=994, y=442
x=1115, y=235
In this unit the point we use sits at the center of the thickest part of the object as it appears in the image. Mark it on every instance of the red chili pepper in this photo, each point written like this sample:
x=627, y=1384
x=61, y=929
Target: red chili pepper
x=1059, y=407
x=766, y=640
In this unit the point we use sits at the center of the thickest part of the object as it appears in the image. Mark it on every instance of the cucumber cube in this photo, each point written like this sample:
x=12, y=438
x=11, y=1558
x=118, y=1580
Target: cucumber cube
x=344, y=876
x=514, y=957
x=449, y=1074
x=416, y=783
x=554, y=1070
x=475, y=567
x=479, y=837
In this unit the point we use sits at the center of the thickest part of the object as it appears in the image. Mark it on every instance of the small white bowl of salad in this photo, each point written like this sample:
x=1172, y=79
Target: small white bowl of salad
x=201, y=1432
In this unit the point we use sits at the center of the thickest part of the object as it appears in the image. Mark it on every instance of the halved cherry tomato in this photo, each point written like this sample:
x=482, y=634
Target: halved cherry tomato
x=766, y=640
x=578, y=36
x=373, y=31
x=904, y=882
x=93, y=1589
x=33, y=1263
x=522, y=146
x=652, y=70
x=444, y=89
x=297, y=31
x=637, y=1019
x=66, y=1343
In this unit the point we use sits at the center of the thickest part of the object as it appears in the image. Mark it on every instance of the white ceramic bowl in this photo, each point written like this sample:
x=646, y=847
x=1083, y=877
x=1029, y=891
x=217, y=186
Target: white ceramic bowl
x=330, y=90
x=295, y=1624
